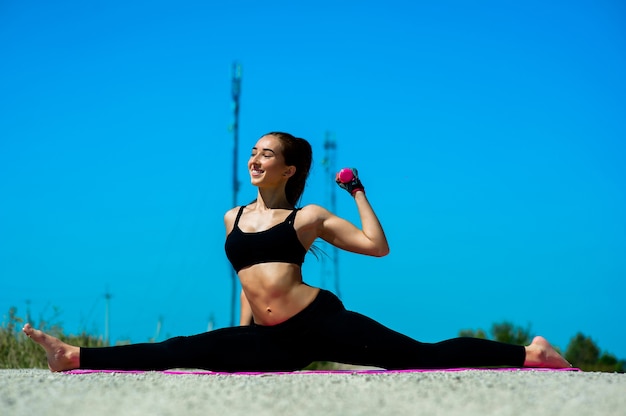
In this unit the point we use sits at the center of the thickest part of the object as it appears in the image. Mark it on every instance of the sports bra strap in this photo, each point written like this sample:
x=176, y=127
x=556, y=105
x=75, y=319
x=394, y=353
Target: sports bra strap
x=291, y=217
x=239, y=215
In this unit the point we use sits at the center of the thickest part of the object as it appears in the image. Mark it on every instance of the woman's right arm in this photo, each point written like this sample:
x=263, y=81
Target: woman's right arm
x=245, y=317
x=245, y=312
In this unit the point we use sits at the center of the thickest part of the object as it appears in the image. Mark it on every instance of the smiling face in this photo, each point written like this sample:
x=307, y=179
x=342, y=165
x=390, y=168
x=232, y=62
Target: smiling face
x=267, y=165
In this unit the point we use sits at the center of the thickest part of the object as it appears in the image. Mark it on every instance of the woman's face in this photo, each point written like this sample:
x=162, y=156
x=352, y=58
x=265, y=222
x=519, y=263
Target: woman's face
x=267, y=164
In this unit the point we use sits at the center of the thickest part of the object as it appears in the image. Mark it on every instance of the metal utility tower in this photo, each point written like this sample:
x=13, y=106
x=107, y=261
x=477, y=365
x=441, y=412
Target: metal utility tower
x=330, y=147
x=236, y=92
x=107, y=298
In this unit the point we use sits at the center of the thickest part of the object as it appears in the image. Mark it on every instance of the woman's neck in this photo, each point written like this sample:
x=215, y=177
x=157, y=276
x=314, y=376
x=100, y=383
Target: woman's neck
x=267, y=200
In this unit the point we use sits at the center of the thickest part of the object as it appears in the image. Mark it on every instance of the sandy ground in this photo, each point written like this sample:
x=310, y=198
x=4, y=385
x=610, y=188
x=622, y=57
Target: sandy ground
x=472, y=392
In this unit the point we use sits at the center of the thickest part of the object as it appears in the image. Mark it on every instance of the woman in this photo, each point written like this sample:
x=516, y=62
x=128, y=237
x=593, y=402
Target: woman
x=293, y=323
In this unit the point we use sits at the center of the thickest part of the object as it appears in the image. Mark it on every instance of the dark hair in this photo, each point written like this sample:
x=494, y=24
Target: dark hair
x=296, y=152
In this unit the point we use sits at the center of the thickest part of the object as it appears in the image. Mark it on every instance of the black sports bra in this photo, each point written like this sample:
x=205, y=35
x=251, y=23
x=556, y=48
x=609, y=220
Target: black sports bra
x=277, y=244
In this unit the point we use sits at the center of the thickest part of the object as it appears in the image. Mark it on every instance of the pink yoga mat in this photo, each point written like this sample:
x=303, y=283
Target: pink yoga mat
x=201, y=372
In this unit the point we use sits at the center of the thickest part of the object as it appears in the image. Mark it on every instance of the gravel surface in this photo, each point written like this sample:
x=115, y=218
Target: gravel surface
x=472, y=392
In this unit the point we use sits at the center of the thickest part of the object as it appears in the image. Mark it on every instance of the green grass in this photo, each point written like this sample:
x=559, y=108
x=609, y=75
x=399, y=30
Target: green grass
x=18, y=351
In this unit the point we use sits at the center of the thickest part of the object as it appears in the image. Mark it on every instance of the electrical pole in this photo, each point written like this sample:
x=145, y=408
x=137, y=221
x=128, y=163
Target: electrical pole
x=107, y=298
x=330, y=148
x=236, y=92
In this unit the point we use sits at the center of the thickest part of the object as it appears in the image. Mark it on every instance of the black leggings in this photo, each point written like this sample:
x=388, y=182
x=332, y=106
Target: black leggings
x=323, y=331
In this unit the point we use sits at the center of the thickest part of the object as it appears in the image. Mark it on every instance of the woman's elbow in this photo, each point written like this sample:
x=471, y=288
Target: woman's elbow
x=381, y=251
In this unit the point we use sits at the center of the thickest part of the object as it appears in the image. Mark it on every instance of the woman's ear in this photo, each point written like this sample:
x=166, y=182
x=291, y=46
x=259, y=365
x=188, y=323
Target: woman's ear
x=289, y=172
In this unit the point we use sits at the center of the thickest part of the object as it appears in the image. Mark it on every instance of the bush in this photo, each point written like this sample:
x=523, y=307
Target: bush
x=582, y=352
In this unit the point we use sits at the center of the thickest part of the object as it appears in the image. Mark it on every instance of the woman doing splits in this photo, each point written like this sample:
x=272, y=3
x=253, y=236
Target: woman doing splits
x=292, y=323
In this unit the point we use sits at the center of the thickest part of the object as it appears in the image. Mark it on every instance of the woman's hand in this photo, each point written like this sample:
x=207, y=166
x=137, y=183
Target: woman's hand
x=348, y=179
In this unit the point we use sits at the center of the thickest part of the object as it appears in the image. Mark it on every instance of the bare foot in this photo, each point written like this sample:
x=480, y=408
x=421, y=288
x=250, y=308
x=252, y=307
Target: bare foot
x=541, y=354
x=61, y=356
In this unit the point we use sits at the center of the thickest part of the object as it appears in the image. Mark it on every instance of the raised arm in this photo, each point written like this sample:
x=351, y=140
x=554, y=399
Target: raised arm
x=370, y=239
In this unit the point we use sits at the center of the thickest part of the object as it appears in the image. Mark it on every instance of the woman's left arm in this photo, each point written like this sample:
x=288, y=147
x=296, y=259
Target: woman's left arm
x=370, y=239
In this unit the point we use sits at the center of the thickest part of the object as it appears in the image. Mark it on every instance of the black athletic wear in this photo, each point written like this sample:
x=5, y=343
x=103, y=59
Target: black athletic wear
x=323, y=331
x=277, y=244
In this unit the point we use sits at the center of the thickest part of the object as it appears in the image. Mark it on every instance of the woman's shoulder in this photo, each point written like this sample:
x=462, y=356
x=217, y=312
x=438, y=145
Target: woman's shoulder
x=232, y=211
x=313, y=211
x=311, y=217
x=311, y=208
x=231, y=214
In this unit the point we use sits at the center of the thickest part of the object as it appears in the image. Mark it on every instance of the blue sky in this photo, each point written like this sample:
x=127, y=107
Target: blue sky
x=489, y=136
